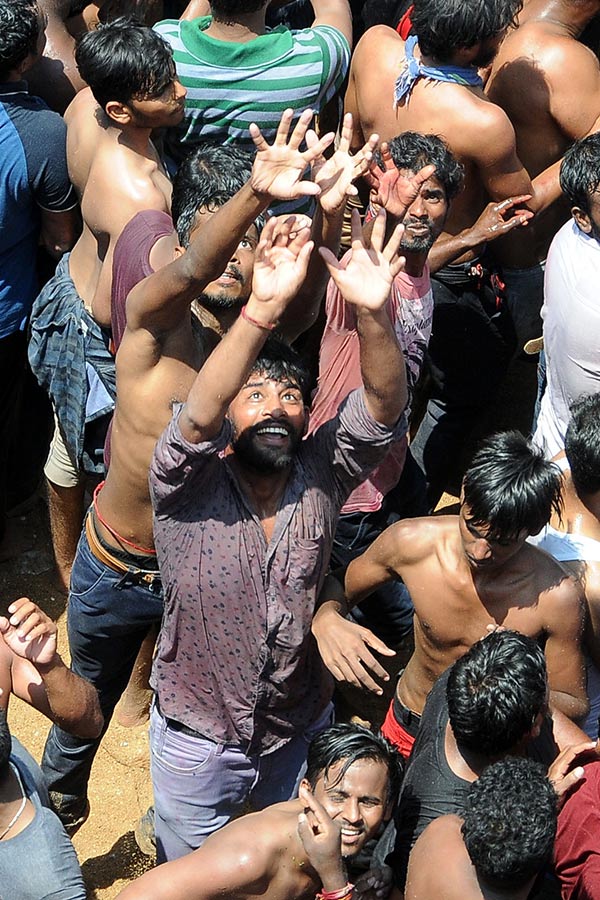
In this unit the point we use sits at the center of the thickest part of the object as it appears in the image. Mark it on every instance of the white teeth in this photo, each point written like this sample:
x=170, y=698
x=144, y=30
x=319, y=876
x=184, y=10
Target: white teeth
x=273, y=429
x=350, y=832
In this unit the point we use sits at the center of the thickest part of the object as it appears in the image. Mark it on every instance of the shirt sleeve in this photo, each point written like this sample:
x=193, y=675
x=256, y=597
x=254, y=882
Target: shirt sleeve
x=335, y=52
x=355, y=442
x=45, y=147
x=178, y=462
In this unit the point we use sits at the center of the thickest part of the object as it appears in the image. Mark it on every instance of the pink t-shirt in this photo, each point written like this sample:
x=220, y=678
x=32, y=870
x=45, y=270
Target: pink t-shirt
x=410, y=308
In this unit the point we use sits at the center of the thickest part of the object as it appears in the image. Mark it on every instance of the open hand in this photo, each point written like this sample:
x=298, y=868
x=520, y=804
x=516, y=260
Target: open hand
x=345, y=649
x=499, y=218
x=335, y=175
x=278, y=167
x=366, y=278
x=392, y=190
x=29, y=632
x=280, y=264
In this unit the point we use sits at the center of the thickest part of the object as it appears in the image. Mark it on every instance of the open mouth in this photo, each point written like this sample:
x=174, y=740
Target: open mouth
x=273, y=434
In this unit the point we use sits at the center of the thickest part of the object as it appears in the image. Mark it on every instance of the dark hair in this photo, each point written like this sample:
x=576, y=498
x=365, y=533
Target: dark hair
x=19, y=33
x=509, y=821
x=227, y=9
x=582, y=444
x=5, y=742
x=277, y=360
x=580, y=171
x=207, y=178
x=124, y=61
x=412, y=150
x=349, y=742
x=444, y=26
x=496, y=691
x=510, y=488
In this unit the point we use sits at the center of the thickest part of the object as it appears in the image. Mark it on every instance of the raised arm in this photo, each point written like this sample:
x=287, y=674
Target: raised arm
x=158, y=303
x=365, y=282
x=336, y=13
x=279, y=269
x=40, y=677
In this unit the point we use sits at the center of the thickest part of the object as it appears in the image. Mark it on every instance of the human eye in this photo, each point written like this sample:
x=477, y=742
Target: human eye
x=247, y=243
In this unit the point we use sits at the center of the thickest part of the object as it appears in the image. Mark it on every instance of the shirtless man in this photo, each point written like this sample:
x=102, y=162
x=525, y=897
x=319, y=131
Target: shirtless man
x=464, y=574
x=133, y=89
x=351, y=781
x=156, y=365
x=548, y=83
x=573, y=538
x=471, y=332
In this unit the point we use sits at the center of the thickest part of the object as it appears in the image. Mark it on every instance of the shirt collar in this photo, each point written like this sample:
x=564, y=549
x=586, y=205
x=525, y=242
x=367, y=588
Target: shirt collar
x=13, y=87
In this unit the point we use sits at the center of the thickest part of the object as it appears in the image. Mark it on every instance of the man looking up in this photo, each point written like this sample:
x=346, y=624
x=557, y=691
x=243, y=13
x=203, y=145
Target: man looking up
x=351, y=781
x=486, y=572
x=115, y=576
x=244, y=691
x=133, y=89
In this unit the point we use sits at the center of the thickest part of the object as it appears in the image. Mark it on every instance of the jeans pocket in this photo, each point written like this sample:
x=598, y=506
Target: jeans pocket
x=181, y=754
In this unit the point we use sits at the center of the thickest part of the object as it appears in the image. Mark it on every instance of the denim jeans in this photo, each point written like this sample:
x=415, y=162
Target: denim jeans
x=109, y=615
x=524, y=290
x=388, y=611
x=200, y=785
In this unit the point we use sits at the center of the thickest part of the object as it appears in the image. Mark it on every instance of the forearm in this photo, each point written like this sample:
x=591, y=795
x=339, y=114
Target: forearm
x=449, y=247
x=73, y=701
x=574, y=706
x=546, y=188
x=382, y=366
x=336, y=13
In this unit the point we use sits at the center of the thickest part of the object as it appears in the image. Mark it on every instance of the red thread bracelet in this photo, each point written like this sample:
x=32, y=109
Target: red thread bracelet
x=266, y=326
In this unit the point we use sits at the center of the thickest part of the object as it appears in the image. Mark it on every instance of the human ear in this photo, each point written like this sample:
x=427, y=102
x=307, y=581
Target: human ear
x=118, y=112
x=583, y=221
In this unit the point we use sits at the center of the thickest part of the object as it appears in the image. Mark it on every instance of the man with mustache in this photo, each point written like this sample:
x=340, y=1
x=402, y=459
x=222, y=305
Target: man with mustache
x=244, y=518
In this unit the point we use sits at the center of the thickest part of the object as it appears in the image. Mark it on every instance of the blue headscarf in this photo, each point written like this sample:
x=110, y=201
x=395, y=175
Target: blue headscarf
x=413, y=69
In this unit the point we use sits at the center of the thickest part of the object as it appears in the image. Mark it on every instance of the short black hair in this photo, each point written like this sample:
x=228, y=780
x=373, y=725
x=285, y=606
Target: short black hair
x=496, y=691
x=510, y=488
x=349, y=742
x=123, y=61
x=509, y=821
x=582, y=445
x=412, y=150
x=19, y=33
x=227, y=9
x=277, y=360
x=208, y=177
x=580, y=171
x=5, y=742
x=445, y=26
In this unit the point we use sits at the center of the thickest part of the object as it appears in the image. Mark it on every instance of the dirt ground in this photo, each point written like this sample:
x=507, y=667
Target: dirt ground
x=120, y=789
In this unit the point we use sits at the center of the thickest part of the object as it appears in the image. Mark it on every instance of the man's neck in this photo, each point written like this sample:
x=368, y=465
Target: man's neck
x=137, y=139
x=415, y=262
x=241, y=30
x=263, y=490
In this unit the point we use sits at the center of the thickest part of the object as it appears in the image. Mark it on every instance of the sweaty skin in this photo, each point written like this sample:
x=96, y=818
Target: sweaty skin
x=96, y=151
x=459, y=590
x=548, y=83
x=477, y=131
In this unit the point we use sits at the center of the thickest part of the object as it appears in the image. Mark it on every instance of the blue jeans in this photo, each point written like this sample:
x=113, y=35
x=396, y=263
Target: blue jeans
x=109, y=615
x=524, y=290
x=200, y=785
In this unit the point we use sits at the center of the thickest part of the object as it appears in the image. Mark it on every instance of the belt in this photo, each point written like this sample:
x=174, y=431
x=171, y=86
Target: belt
x=103, y=555
x=404, y=715
x=174, y=725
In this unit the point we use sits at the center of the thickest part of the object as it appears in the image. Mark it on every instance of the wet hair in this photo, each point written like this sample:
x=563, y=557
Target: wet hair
x=5, y=742
x=509, y=822
x=582, y=445
x=19, y=33
x=444, y=26
x=277, y=360
x=348, y=742
x=223, y=10
x=207, y=178
x=123, y=61
x=411, y=150
x=580, y=171
x=510, y=488
x=496, y=691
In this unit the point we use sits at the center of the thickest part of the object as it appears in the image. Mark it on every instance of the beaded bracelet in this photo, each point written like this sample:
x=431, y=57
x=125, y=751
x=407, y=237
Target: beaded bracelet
x=266, y=326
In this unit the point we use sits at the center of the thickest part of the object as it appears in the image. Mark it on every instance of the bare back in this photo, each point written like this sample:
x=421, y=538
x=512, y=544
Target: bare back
x=114, y=181
x=478, y=132
x=548, y=83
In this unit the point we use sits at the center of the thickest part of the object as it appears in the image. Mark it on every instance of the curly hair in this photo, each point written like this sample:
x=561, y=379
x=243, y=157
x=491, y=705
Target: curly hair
x=19, y=33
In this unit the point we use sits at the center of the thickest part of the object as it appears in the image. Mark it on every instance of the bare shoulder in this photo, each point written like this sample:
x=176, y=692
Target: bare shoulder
x=412, y=540
x=559, y=591
x=82, y=109
x=378, y=46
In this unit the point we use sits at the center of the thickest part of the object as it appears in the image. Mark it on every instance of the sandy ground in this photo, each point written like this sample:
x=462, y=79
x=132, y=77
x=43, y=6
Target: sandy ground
x=120, y=789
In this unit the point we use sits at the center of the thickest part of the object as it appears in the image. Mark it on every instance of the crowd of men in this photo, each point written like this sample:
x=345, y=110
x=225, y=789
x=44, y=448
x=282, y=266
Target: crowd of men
x=264, y=268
